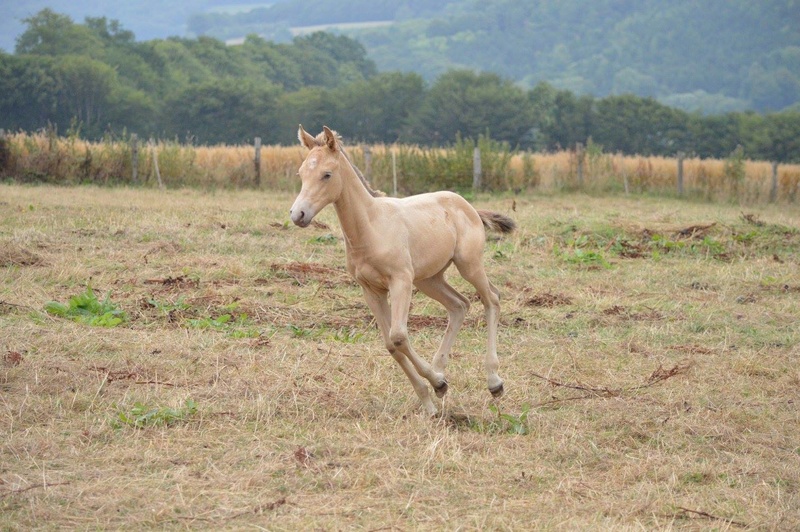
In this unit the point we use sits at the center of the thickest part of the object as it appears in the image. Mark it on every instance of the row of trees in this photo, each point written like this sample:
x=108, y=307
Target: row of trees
x=96, y=78
x=715, y=55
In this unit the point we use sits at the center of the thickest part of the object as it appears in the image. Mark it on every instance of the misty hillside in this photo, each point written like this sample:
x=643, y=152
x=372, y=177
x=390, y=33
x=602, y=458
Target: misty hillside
x=713, y=56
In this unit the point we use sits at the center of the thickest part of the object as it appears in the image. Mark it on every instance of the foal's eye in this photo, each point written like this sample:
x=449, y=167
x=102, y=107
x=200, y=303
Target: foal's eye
x=326, y=176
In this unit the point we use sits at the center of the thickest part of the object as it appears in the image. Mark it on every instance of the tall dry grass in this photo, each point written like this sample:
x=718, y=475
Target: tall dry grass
x=46, y=157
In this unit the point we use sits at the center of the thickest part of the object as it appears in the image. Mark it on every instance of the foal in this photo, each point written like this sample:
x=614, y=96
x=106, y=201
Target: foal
x=395, y=244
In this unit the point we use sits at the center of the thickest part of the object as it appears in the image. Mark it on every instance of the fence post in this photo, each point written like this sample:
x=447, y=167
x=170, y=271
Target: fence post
x=477, y=174
x=680, y=173
x=394, y=173
x=367, y=162
x=257, y=160
x=155, y=163
x=3, y=151
x=773, y=191
x=134, y=158
x=579, y=153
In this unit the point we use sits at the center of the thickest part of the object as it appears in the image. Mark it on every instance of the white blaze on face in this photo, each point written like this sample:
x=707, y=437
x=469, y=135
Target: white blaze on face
x=302, y=212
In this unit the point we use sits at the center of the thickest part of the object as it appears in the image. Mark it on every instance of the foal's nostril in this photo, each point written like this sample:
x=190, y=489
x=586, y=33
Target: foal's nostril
x=302, y=214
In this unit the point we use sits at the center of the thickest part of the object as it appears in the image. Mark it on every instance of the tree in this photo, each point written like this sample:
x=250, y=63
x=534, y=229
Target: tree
x=85, y=89
x=471, y=104
x=52, y=34
x=313, y=107
x=28, y=92
x=572, y=121
x=222, y=111
x=634, y=125
x=379, y=109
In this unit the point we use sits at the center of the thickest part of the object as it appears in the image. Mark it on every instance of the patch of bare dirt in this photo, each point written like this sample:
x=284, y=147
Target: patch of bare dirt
x=548, y=300
x=13, y=358
x=695, y=231
x=303, y=272
x=178, y=283
x=12, y=254
x=627, y=314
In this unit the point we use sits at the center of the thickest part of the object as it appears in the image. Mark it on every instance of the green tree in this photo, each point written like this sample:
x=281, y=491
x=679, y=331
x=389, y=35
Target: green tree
x=221, y=111
x=52, y=34
x=313, y=107
x=28, y=92
x=85, y=89
x=635, y=125
x=464, y=102
x=572, y=120
x=379, y=109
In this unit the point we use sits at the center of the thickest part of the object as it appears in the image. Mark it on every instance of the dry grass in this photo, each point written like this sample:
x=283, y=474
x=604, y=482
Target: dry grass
x=655, y=344
x=43, y=157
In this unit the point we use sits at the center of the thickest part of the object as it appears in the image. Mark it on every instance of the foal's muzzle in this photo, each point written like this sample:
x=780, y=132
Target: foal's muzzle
x=301, y=213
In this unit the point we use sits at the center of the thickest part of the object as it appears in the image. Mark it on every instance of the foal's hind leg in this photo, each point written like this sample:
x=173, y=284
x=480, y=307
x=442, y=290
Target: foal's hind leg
x=457, y=306
x=474, y=273
x=379, y=305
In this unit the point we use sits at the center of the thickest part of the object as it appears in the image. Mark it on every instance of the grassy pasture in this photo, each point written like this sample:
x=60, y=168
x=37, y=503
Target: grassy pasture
x=650, y=350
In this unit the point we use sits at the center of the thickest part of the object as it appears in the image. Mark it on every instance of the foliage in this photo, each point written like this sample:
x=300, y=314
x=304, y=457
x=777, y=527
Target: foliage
x=86, y=308
x=609, y=48
x=95, y=78
x=142, y=416
x=504, y=422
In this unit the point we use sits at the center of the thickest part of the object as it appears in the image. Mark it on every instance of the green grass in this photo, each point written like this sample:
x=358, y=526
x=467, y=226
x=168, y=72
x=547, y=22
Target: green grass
x=141, y=416
x=86, y=308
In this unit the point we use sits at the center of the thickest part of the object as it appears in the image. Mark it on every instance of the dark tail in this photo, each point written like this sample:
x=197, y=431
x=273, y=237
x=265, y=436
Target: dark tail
x=494, y=221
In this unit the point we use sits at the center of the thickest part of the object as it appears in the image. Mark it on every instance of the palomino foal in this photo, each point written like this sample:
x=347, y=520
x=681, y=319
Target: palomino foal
x=395, y=244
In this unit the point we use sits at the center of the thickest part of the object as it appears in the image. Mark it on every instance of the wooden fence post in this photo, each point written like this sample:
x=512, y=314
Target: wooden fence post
x=773, y=191
x=680, y=173
x=257, y=161
x=394, y=173
x=134, y=158
x=579, y=153
x=367, y=163
x=477, y=174
x=155, y=163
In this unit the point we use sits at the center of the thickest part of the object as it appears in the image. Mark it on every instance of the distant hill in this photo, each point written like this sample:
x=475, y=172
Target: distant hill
x=712, y=56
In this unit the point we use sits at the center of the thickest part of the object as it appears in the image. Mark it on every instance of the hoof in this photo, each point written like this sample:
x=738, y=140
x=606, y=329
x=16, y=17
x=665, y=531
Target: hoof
x=441, y=389
x=497, y=391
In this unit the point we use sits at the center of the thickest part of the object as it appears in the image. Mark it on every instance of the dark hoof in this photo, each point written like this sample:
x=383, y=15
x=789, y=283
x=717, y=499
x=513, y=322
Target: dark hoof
x=497, y=392
x=441, y=389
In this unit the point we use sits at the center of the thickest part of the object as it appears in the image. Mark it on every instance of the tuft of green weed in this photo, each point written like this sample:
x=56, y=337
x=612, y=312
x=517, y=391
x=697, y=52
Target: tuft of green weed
x=86, y=308
x=166, y=308
x=582, y=256
x=141, y=416
x=513, y=424
x=347, y=335
x=237, y=327
x=324, y=239
x=505, y=423
x=299, y=332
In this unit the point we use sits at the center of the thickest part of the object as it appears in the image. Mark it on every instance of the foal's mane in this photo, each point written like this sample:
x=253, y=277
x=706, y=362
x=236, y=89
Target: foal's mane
x=372, y=192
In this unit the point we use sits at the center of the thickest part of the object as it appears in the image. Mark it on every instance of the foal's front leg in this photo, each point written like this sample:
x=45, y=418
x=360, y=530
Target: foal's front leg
x=379, y=305
x=400, y=293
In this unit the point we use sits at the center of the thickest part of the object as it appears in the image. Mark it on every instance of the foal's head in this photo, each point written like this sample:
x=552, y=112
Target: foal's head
x=321, y=174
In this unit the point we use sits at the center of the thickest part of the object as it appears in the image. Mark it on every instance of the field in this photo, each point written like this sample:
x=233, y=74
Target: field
x=189, y=359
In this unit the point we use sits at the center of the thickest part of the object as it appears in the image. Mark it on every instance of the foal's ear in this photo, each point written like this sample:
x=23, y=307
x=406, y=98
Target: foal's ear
x=330, y=138
x=306, y=139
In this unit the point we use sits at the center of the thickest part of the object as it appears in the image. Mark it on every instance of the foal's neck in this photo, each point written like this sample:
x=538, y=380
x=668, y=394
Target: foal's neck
x=353, y=208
